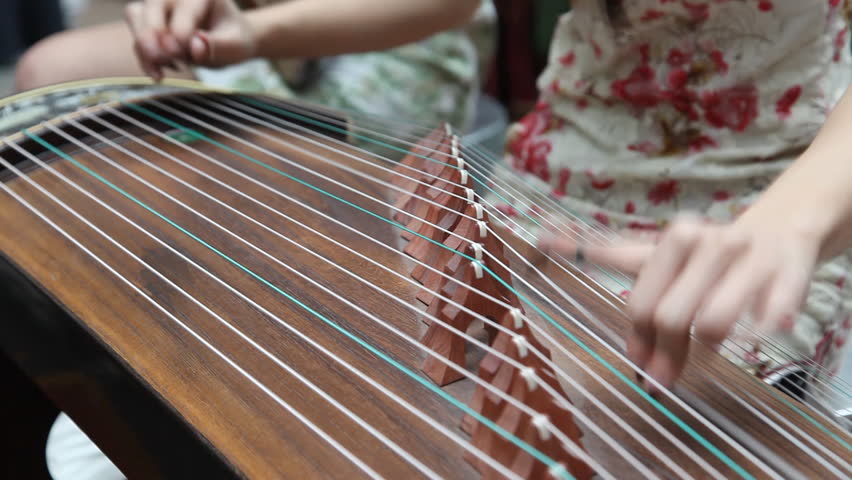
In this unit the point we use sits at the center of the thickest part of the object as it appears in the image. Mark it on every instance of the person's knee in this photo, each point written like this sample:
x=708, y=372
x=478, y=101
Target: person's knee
x=40, y=65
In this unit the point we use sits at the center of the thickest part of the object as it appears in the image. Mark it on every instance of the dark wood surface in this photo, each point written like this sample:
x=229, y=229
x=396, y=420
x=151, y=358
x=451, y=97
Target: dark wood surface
x=244, y=425
x=54, y=360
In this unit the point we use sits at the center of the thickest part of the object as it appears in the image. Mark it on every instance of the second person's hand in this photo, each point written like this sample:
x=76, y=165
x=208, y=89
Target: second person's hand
x=199, y=32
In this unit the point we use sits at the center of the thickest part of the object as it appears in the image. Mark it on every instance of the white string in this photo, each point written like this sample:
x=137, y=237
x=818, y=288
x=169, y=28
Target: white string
x=442, y=153
x=363, y=161
x=419, y=142
x=533, y=325
x=204, y=123
x=437, y=426
x=613, y=295
x=299, y=416
x=544, y=358
x=681, y=403
x=306, y=169
x=292, y=125
x=805, y=392
x=782, y=431
x=396, y=331
x=406, y=304
x=596, y=292
x=563, y=208
x=793, y=427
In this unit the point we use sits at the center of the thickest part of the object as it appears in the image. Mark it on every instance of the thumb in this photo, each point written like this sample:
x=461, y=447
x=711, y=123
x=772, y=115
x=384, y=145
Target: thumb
x=221, y=47
x=629, y=257
x=199, y=49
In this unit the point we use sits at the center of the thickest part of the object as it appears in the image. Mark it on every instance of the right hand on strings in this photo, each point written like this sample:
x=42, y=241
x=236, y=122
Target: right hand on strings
x=200, y=32
x=700, y=278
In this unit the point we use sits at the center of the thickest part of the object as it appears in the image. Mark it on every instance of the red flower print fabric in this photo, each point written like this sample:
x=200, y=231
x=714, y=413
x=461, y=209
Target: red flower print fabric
x=677, y=105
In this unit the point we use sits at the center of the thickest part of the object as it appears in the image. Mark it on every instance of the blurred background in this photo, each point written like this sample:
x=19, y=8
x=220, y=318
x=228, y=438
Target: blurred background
x=25, y=22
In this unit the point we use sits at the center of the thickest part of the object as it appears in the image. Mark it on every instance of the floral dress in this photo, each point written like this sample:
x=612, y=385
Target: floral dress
x=650, y=107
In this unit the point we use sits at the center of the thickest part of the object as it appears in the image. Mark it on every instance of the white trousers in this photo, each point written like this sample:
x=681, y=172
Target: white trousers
x=72, y=456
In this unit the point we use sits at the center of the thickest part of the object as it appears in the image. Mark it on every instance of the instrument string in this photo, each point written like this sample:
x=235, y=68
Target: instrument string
x=457, y=439
x=835, y=383
x=292, y=126
x=621, y=299
x=526, y=409
x=782, y=431
x=538, y=212
x=793, y=427
x=475, y=179
x=208, y=115
x=407, y=304
x=770, y=392
x=365, y=162
x=264, y=122
x=707, y=444
x=407, y=141
x=206, y=112
x=790, y=427
x=290, y=409
x=811, y=400
x=445, y=154
x=774, y=424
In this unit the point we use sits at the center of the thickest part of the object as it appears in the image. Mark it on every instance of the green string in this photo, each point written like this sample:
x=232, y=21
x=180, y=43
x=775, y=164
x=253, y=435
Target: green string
x=635, y=387
x=402, y=150
x=481, y=153
x=375, y=351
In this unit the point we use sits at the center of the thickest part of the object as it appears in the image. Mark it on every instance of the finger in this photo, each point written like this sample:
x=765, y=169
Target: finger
x=169, y=44
x=654, y=279
x=638, y=349
x=671, y=349
x=783, y=301
x=148, y=67
x=133, y=15
x=156, y=13
x=149, y=49
x=715, y=252
x=677, y=309
x=627, y=257
x=187, y=18
x=731, y=299
x=661, y=269
x=199, y=49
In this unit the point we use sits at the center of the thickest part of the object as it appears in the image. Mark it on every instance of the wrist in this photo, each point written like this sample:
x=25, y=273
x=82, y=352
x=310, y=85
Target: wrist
x=815, y=218
x=270, y=31
x=254, y=30
x=258, y=30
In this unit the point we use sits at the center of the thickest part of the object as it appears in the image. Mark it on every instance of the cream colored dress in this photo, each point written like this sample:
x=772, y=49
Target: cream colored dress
x=650, y=107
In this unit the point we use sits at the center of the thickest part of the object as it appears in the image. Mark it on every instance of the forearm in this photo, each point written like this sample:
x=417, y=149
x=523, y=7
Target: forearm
x=315, y=28
x=814, y=195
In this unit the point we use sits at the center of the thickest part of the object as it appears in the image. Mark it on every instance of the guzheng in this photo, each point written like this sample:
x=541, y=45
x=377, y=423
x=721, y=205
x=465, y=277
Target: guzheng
x=220, y=284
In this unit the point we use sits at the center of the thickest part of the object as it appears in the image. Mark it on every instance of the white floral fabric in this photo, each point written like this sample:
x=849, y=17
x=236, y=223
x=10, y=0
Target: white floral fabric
x=651, y=107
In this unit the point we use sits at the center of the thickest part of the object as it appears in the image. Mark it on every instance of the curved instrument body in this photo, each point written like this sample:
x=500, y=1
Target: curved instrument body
x=226, y=276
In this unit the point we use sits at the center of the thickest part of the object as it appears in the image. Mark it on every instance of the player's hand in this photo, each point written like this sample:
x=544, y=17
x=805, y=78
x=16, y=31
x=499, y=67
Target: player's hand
x=200, y=32
x=704, y=277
